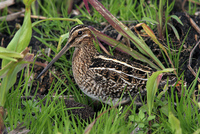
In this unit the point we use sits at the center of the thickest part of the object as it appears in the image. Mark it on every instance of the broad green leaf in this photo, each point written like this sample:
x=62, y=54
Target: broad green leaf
x=22, y=37
x=152, y=87
x=5, y=50
x=175, y=124
x=151, y=117
x=5, y=69
x=7, y=58
x=9, y=54
x=14, y=55
x=141, y=115
x=18, y=44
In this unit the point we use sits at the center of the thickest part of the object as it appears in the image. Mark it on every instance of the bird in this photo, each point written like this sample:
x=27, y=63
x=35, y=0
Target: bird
x=102, y=77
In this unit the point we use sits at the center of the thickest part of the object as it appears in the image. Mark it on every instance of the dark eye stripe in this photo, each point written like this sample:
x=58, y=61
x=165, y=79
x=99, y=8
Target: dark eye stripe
x=75, y=28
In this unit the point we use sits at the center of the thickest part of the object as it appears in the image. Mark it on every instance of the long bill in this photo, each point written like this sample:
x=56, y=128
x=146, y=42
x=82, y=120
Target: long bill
x=65, y=49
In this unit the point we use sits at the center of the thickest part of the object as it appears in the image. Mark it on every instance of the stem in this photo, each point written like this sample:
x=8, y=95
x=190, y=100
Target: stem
x=65, y=19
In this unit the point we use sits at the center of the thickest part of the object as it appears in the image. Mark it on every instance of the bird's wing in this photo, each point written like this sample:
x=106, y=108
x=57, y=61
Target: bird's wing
x=116, y=76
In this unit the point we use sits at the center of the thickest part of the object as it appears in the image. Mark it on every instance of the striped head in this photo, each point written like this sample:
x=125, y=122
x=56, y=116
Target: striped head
x=77, y=34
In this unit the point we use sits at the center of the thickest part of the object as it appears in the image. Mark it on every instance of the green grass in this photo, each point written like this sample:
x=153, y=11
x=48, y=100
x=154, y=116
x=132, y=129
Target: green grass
x=168, y=111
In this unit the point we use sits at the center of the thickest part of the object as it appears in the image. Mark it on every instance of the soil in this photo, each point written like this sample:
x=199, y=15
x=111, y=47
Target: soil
x=188, y=36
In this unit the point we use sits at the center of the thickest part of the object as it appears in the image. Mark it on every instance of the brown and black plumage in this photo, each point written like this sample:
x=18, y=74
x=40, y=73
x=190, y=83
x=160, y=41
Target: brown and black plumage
x=102, y=77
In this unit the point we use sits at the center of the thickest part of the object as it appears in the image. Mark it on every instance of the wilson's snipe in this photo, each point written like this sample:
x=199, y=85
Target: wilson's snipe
x=102, y=77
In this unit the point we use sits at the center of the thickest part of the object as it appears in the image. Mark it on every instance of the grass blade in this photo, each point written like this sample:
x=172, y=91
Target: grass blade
x=122, y=47
x=124, y=30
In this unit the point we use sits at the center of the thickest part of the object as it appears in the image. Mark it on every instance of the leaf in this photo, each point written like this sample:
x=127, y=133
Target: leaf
x=153, y=37
x=9, y=55
x=110, y=41
x=149, y=20
x=7, y=58
x=152, y=87
x=61, y=39
x=151, y=117
x=131, y=117
x=22, y=37
x=175, y=31
x=125, y=31
x=10, y=79
x=86, y=5
x=141, y=125
x=175, y=124
x=5, y=69
x=165, y=110
x=141, y=114
x=177, y=19
x=18, y=44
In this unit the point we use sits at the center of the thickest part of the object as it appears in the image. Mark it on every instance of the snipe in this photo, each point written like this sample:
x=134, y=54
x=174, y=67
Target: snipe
x=102, y=77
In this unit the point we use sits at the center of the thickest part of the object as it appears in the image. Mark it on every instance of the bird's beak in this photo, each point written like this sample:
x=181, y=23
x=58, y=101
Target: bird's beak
x=65, y=49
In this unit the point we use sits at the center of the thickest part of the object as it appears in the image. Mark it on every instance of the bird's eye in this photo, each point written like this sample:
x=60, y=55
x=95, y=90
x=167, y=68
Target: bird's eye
x=79, y=32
